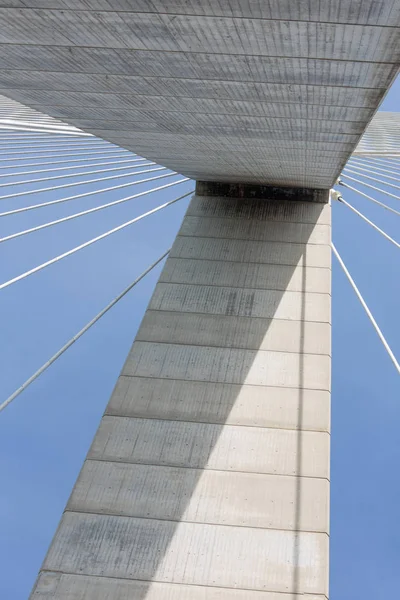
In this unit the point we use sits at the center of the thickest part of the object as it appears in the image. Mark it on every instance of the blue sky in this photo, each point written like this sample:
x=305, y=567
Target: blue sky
x=46, y=432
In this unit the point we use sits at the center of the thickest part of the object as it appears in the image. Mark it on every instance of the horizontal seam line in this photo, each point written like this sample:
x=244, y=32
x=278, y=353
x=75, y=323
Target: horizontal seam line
x=240, y=287
x=110, y=413
x=244, y=317
x=201, y=469
x=237, y=315
x=221, y=99
x=209, y=523
x=150, y=581
x=68, y=44
x=230, y=347
x=126, y=462
x=147, y=77
x=241, y=385
x=283, y=241
x=244, y=219
x=256, y=385
x=247, y=262
x=188, y=14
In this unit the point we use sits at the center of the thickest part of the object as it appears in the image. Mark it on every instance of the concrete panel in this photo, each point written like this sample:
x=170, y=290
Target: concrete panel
x=241, y=302
x=198, y=554
x=360, y=11
x=178, y=33
x=53, y=586
x=249, y=251
x=225, y=365
x=202, y=496
x=226, y=76
x=247, y=275
x=221, y=403
x=251, y=230
x=235, y=332
x=223, y=448
x=136, y=93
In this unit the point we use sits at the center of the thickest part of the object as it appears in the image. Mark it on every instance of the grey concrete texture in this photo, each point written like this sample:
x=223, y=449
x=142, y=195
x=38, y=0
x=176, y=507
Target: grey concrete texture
x=192, y=553
x=193, y=243
x=209, y=474
x=181, y=494
x=53, y=586
x=212, y=330
x=243, y=302
x=202, y=87
x=221, y=403
x=230, y=448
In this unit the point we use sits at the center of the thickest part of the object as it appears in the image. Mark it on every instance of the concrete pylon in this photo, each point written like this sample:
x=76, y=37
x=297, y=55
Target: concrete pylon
x=208, y=477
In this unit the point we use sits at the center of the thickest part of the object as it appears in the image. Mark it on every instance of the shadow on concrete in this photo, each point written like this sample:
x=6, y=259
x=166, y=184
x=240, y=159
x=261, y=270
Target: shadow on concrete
x=132, y=549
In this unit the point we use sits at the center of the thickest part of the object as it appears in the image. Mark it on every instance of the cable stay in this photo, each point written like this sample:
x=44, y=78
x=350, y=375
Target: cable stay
x=80, y=333
x=52, y=151
x=67, y=185
x=367, y=310
x=384, y=161
x=397, y=187
x=51, y=145
x=370, y=170
x=84, y=195
x=343, y=201
x=91, y=210
x=364, y=164
x=373, y=187
x=350, y=187
x=83, y=155
x=90, y=242
x=63, y=162
x=57, y=169
x=83, y=174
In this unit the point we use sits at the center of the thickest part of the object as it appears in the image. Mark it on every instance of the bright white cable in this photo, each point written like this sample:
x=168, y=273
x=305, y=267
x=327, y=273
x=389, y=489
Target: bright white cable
x=40, y=128
x=89, y=243
x=79, y=334
x=40, y=144
x=397, y=187
x=369, y=169
x=365, y=306
x=90, y=211
x=83, y=155
x=83, y=174
x=83, y=195
x=59, y=137
x=75, y=183
x=383, y=161
x=63, y=162
x=57, y=169
x=370, y=198
x=373, y=187
x=370, y=223
x=52, y=151
x=376, y=168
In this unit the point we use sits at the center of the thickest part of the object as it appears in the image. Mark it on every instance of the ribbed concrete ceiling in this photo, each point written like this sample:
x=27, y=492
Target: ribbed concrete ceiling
x=268, y=91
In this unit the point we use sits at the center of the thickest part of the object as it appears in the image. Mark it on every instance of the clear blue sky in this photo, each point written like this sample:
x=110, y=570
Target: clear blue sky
x=45, y=434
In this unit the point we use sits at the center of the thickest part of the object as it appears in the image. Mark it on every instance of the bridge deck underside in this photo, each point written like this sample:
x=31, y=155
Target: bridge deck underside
x=274, y=92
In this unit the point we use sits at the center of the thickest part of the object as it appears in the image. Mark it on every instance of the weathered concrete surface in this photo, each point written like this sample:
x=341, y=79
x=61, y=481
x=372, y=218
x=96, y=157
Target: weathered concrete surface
x=209, y=475
x=72, y=587
x=272, y=92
